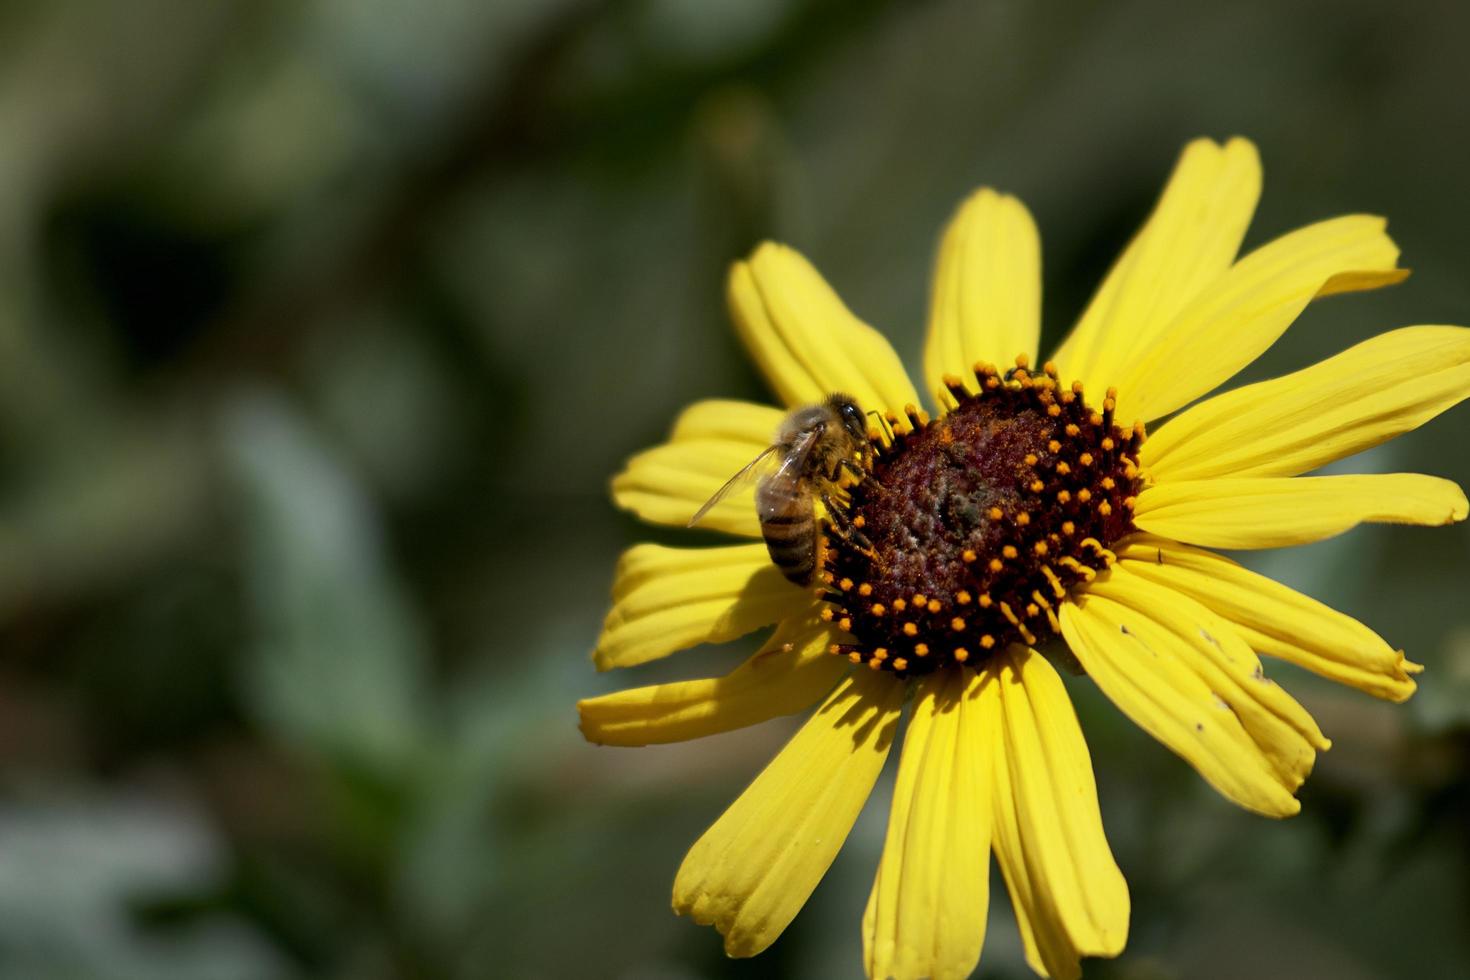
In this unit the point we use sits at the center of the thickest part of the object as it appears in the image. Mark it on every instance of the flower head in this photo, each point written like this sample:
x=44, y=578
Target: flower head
x=1039, y=505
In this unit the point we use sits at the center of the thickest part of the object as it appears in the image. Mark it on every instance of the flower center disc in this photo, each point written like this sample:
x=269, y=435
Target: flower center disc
x=971, y=528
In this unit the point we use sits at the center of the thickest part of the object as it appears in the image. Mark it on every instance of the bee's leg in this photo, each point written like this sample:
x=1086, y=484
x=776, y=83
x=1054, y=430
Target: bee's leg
x=853, y=469
x=843, y=527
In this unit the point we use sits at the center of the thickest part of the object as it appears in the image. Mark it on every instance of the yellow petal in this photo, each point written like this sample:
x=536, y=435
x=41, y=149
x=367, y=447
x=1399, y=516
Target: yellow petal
x=1277, y=512
x=710, y=443
x=789, y=674
x=986, y=299
x=1182, y=674
x=1241, y=313
x=1274, y=619
x=806, y=342
x=1190, y=240
x=1364, y=396
x=667, y=599
x=1070, y=898
x=926, y=912
x=753, y=870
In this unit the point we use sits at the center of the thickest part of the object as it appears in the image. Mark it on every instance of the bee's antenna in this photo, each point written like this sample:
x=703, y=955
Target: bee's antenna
x=883, y=425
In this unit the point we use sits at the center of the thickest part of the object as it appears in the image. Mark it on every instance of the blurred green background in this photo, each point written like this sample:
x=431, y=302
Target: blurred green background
x=323, y=326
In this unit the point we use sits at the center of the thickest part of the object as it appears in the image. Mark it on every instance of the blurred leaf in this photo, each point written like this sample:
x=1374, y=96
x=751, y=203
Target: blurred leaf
x=1443, y=700
x=339, y=666
x=74, y=871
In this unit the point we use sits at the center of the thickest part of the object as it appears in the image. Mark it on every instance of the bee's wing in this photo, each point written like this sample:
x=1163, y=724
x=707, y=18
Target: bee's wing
x=747, y=473
x=793, y=466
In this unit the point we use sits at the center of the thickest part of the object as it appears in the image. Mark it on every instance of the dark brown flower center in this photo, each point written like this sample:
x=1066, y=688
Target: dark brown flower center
x=971, y=528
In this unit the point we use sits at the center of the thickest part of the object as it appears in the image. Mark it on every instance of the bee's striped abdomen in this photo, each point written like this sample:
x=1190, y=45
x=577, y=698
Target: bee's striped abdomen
x=792, y=543
x=790, y=528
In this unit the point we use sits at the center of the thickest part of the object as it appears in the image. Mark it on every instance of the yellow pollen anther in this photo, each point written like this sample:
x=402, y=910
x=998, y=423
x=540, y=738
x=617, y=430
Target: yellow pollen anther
x=1084, y=495
x=834, y=648
x=876, y=609
x=1072, y=429
x=855, y=657
x=909, y=629
x=985, y=601
x=1022, y=361
x=919, y=599
x=1076, y=387
x=934, y=605
x=875, y=664
x=957, y=624
x=1085, y=459
x=881, y=653
x=1063, y=496
x=987, y=641
x=1063, y=468
x=865, y=590
x=1108, y=483
x=1068, y=528
x=1037, y=486
x=1023, y=518
x=1129, y=502
x=899, y=663
x=962, y=597
x=921, y=649
x=845, y=624
x=1005, y=610
x=1050, y=369
x=1054, y=446
x=961, y=655
x=1105, y=508
x=996, y=564
x=827, y=615
x=1057, y=589
x=1088, y=574
x=1009, y=551
x=859, y=521
x=827, y=577
x=1053, y=410
x=1095, y=419
x=846, y=584
x=1031, y=459
x=1108, y=444
x=899, y=605
x=1040, y=548
x=995, y=513
x=1032, y=610
x=968, y=556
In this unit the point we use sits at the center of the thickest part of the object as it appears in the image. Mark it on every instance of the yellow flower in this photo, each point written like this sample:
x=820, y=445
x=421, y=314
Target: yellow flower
x=1025, y=510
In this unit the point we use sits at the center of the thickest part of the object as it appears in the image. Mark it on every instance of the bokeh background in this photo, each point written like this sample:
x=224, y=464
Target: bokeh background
x=323, y=326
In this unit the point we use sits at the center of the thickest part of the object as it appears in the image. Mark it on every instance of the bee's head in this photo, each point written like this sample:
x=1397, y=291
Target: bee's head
x=854, y=422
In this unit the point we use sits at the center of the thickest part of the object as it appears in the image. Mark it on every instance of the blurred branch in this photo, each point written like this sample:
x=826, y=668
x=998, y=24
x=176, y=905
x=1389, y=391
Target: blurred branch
x=265, y=329
x=514, y=122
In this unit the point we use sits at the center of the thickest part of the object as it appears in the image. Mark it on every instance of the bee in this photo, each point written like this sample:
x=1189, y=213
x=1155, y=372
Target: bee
x=814, y=448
